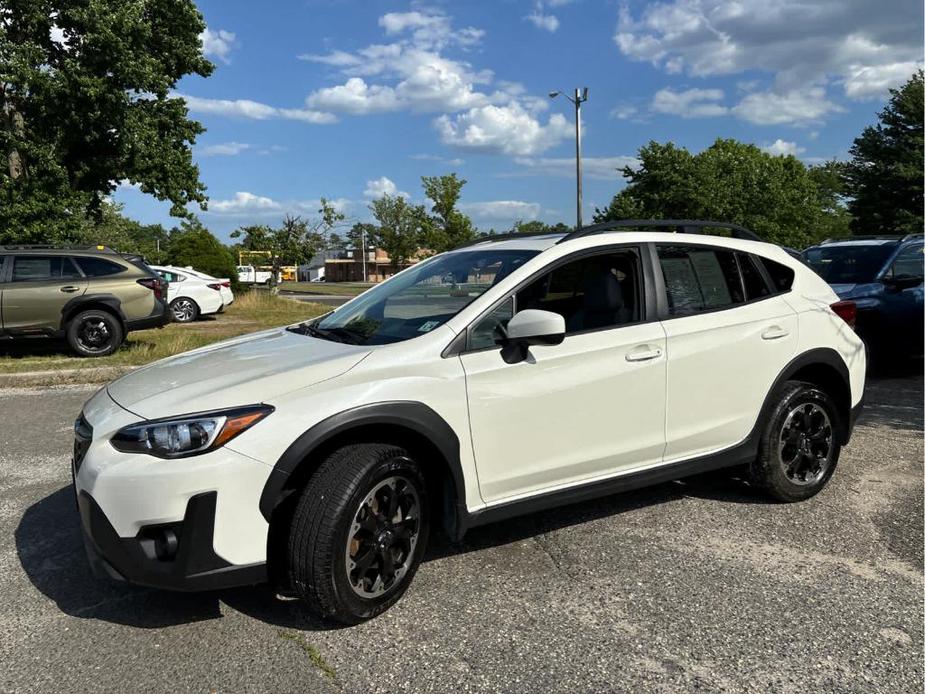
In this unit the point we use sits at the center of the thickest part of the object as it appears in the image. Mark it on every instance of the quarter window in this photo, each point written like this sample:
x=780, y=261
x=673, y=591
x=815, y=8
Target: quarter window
x=755, y=286
x=699, y=279
x=781, y=275
x=43, y=267
x=908, y=262
x=98, y=267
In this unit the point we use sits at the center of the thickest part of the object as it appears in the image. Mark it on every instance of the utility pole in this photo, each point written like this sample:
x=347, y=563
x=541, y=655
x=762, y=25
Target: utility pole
x=581, y=95
x=363, y=250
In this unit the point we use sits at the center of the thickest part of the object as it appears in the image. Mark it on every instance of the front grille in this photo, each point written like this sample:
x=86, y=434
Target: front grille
x=83, y=434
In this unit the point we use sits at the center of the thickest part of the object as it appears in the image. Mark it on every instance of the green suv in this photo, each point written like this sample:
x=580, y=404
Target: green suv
x=92, y=297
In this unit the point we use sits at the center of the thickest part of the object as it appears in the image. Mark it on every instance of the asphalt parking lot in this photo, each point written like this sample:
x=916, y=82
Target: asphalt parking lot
x=686, y=586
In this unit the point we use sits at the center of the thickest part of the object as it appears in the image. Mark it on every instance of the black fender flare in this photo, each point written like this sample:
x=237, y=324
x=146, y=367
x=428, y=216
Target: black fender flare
x=111, y=301
x=408, y=414
x=822, y=355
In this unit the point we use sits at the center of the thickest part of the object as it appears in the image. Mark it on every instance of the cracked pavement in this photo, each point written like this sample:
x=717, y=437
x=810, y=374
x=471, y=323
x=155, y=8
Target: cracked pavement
x=688, y=585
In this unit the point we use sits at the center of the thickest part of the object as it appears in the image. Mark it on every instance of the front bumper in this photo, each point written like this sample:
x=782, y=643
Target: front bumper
x=187, y=524
x=173, y=556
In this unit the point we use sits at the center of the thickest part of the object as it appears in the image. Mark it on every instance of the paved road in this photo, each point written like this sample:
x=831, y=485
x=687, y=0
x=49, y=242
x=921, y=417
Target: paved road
x=684, y=586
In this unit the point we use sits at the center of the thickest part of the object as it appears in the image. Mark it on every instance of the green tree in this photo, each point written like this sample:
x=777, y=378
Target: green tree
x=774, y=196
x=295, y=242
x=829, y=178
x=884, y=176
x=361, y=234
x=85, y=102
x=402, y=227
x=193, y=245
x=450, y=227
x=126, y=235
x=537, y=227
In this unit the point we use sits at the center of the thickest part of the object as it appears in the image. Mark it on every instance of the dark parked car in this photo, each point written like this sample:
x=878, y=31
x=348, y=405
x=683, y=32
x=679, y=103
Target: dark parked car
x=92, y=297
x=883, y=276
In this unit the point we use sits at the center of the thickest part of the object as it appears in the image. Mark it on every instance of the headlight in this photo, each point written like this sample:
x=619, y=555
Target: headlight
x=179, y=437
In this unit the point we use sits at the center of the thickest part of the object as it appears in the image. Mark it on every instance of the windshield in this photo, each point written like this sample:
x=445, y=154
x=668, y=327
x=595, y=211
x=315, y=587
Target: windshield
x=420, y=299
x=846, y=264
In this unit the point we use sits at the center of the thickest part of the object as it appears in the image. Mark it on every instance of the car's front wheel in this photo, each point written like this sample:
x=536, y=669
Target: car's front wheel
x=800, y=444
x=94, y=333
x=358, y=532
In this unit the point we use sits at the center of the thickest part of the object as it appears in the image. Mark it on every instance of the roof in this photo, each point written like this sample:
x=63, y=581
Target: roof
x=54, y=250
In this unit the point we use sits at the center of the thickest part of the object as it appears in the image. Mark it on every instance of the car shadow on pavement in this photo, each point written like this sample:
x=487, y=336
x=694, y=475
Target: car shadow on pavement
x=50, y=549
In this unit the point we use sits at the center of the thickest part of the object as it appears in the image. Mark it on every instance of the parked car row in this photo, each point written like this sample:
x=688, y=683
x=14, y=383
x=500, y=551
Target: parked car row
x=93, y=296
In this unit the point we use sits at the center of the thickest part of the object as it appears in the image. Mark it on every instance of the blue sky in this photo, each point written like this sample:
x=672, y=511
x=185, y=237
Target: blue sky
x=347, y=100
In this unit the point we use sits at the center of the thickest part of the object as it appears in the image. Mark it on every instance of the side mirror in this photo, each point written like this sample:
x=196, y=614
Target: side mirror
x=531, y=327
x=897, y=284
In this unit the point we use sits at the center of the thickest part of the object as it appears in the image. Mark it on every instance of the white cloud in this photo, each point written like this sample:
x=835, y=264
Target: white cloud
x=624, y=111
x=547, y=22
x=692, y=103
x=782, y=148
x=254, y=110
x=223, y=149
x=382, y=186
x=504, y=212
x=863, y=46
x=245, y=204
x=412, y=74
x=876, y=80
x=796, y=107
x=431, y=29
x=217, y=44
x=456, y=161
x=599, y=168
x=507, y=129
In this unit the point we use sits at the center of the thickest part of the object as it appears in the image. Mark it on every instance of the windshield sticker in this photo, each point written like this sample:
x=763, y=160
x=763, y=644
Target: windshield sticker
x=428, y=326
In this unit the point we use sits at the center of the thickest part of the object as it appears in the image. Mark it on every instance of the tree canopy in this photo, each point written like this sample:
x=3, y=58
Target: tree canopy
x=402, y=227
x=85, y=103
x=777, y=197
x=884, y=176
x=193, y=245
x=449, y=227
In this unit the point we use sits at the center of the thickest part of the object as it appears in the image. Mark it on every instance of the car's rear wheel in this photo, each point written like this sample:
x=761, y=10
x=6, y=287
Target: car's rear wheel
x=358, y=532
x=94, y=333
x=800, y=444
x=184, y=310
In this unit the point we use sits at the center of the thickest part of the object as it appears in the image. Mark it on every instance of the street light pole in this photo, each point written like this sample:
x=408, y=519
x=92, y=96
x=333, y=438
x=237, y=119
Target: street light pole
x=581, y=95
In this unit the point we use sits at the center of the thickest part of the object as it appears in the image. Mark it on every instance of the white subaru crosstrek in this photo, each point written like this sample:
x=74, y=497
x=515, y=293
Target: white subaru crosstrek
x=504, y=377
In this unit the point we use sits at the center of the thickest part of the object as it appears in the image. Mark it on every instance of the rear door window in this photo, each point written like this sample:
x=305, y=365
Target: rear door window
x=752, y=279
x=699, y=278
x=27, y=268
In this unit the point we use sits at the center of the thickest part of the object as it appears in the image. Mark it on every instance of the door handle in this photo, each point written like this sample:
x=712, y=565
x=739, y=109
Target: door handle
x=643, y=353
x=70, y=289
x=775, y=332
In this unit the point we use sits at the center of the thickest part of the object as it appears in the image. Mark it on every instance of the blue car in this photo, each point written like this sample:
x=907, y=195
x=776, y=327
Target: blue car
x=883, y=276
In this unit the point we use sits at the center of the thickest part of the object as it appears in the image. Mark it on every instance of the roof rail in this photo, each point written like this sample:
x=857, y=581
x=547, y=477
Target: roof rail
x=683, y=226
x=50, y=247
x=863, y=237
x=512, y=236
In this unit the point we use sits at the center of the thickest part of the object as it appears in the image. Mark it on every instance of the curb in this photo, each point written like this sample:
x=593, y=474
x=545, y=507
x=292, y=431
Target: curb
x=57, y=377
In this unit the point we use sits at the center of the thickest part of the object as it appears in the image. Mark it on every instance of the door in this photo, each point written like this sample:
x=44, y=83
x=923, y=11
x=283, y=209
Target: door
x=730, y=334
x=588, y=408
x=39, y=287
x=903, y=298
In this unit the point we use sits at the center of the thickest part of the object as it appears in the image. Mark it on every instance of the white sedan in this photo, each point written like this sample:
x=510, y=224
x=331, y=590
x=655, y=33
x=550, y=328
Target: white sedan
x=189, y=296
x=227, y=294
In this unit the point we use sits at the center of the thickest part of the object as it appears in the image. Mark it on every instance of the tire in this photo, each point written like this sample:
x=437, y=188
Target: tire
x=334, y=523
x=184, y=310
x=94, y=333
x=799, y=447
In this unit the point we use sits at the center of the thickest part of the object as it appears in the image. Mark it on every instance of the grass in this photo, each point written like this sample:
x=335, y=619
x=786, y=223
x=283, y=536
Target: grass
x=251, y=311
x=313, y=655
x=326, y=288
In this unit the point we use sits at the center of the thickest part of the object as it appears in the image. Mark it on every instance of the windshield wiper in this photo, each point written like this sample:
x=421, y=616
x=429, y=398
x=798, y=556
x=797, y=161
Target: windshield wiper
x=332, y=334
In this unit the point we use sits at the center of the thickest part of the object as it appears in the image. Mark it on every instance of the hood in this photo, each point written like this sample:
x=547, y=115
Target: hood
x=241, y=371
